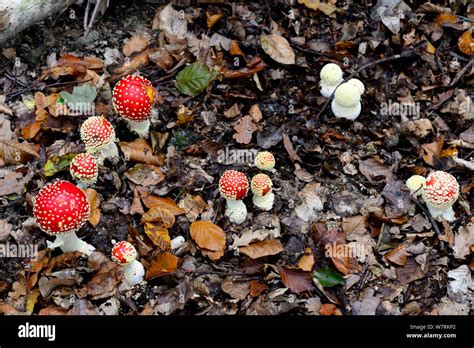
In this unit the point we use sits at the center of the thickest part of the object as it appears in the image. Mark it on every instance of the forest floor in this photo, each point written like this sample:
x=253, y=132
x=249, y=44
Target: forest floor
x=344, y=237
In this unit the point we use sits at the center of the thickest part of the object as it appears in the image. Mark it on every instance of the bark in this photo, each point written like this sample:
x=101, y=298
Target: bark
x=16, y=15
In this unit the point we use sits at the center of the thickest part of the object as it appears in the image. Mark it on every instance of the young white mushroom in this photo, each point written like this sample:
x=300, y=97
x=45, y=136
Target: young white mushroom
x=414, y=184
x=233, y=186
x=440, y=191
x=265, y=160
x=357, y=84
x=346, y=103
x=125, y=254
x=263, y=196
x=331, y=77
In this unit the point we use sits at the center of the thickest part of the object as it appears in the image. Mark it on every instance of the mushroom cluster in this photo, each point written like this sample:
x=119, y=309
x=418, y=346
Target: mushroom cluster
x=440, y=190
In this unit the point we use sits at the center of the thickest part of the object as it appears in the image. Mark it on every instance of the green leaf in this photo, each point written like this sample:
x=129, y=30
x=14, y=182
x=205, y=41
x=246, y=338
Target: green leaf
x=81, y=98
x=58, y=163
x=328, y=277
x=195, y=78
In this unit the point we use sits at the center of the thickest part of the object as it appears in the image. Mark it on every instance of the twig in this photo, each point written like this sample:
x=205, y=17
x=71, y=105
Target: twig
x=406, y=54
x=461, y=73
x=433, y=222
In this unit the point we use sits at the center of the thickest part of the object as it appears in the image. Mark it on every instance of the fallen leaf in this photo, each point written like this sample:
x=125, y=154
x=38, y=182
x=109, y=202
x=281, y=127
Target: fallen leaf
x=94, y=202
x=140, y=151
x=255, y=113
x=233, y=111
x=195, y=78
x=163, y=263
x=235, y=49
x=397, y=255
x=208, y=235
x=375, y=171
x=296, y=280
x=159, y=214
x=151, y=201
x=278, y=48
x=159, y=235
x=145, y=174
x=262, y=249
x=329, y=309
x=443, y=18
x=328, y=278
x=13, y=152
x=466, y=43
x=173, y=22
x=212, y=18
x=244, y=128
x=136, y=43
x=237, y=290
x=31, y=300
x=56, y=164
x=193, y=206
x=306, y=261
x=326, y=8
x=256, y=288
x=290, y=149
x=463, y=240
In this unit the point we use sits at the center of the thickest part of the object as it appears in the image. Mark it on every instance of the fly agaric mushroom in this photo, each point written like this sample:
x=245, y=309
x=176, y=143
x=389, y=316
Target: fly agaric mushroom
x=125, y=254
x=85, y=169
x=98, y=136
x=265, y=160
x=233, y=186
x=415, y=183
x=346, y=103
x=331, y=77
x=60, y=209
x=133, y=97
x=263, y=196
x=440, y=191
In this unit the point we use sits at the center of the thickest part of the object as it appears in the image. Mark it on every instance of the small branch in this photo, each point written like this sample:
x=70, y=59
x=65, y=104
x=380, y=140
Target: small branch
x=433, y=222
x=461, y=73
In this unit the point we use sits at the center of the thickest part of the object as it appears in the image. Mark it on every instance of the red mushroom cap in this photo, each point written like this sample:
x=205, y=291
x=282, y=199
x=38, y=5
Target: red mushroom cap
x=265, y=160
x=261, y=184
x=124, y=252
x=233, y=185
x=85, y=168
x=96, y=131
x=61, y=207
x=440, y=190
x=133, y=97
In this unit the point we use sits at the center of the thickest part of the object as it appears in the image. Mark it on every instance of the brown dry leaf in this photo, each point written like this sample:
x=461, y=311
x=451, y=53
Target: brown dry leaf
x=208, y=235
x=14, y=182
x=145, y=174
x=164, y=263
x=329, y=309
x=290, y=149
x=130, y=66
x=68, y=65
x=152, y=201
x=443, y=18
x=31, y=300
x=463, y=241
x=233, y=111
x=306, y=262
x=161, y=57
x=30, y=130
x=326, y=8
x=296, y=280
x=236, y=290
x=136, y=43
x=173, y=22
x=159, y=235
x=256, y=288
x=466, y=43
x=7, y=309
x=94, y=202
x=159, y=214
x=185, y=115
x=255, y=113
x=193, y=206
x=261, y=249
x=212, y=18
x=374, y=170
x=244, y=128
x=343, y=258
x=213, y=255
x=278, y=48
x=13, y=152
x=140, y=151
x=136, y=207
x=53, y=310
x=397, y=255
x=448, y=235
x=235, y=49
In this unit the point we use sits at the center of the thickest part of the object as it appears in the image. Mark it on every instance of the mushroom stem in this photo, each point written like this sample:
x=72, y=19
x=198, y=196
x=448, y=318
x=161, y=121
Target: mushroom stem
x=264, y=202
x=133, y=272
x=236, y=211
x=350, y=113
x=69, y=242
x=103, y=152
x=437, y=214
x=327, y=90
x=141, y=128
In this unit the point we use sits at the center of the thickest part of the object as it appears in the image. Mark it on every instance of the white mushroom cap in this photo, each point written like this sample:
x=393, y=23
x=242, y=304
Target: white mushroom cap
x=331, y=74
x=415, y=182
x=358, y=84
x=347, y=95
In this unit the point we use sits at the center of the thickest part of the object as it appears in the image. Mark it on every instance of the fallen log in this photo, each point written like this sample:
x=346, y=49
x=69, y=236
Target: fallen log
x=17, y=15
